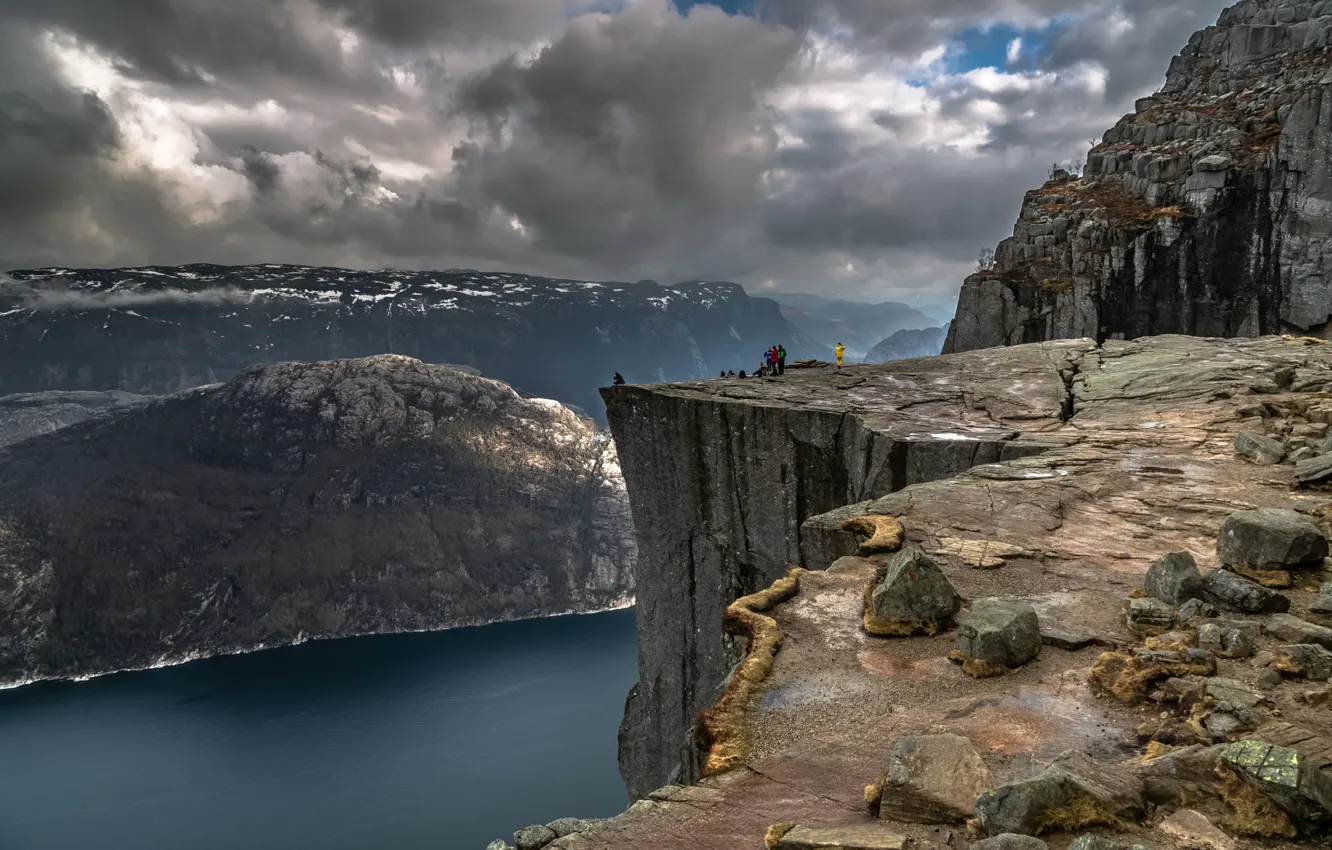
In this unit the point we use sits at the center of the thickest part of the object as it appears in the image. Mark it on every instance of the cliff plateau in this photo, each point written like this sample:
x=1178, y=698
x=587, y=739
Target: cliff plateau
x=1204, y=212
x=302, y=500
x=1051, y=473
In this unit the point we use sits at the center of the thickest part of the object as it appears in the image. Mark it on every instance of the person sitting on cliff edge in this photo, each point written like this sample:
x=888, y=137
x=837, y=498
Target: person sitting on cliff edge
x=619, y=380
x=839, y=351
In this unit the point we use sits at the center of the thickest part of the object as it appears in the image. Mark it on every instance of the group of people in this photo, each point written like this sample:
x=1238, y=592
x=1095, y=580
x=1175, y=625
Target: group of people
x=773, y=363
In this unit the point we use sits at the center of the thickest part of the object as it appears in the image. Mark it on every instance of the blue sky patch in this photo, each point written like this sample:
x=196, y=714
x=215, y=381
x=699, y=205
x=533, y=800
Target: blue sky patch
x=730, y=7
x=988, y=47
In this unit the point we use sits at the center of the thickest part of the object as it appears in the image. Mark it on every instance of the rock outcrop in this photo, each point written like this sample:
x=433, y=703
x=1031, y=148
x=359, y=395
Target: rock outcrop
x=303, y=501
x=167, y=328
x=1083, y=463
x=24, y=415
x=1204, y=212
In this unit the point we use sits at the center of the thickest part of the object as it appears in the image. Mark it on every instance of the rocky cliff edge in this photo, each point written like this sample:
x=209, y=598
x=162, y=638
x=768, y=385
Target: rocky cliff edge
x=1203, y=212
x=1051, y=476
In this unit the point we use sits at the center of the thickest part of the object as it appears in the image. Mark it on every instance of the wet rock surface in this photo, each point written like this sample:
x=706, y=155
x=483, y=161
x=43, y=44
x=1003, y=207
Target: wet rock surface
x=301, y=501
x=1137, y=462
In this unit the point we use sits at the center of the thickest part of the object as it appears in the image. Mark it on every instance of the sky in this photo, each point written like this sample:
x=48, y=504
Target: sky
x=853, y=148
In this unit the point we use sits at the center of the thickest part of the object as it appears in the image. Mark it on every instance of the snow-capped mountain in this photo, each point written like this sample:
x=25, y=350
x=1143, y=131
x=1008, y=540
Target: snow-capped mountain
x=160, y=329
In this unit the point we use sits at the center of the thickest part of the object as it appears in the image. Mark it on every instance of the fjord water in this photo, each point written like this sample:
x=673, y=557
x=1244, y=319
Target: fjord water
x=396, y=742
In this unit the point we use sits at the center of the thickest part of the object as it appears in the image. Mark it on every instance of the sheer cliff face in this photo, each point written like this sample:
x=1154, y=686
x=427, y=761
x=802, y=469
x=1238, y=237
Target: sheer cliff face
x=302, y=501
x=162, y=329
x=1205, y=212
x=721, y=475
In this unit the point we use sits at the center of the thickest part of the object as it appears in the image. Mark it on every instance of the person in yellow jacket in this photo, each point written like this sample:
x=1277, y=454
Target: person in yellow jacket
x=839, y=351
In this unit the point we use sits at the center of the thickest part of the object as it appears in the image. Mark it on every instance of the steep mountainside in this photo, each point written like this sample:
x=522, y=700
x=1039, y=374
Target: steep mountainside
x=926, y=342
x=1204, y=212
x=300, y=501
x=160, y=329
x=24, y=415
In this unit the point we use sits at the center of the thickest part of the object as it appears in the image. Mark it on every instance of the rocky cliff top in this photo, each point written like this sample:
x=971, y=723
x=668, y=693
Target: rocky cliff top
x=1086, y=464
x=1198, y=213
x=24, y=415
x=303, y=500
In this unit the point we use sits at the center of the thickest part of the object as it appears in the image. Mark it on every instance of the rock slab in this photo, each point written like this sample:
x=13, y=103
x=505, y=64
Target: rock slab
x=1270, y=539
x=1072, y=785
x=933, y=779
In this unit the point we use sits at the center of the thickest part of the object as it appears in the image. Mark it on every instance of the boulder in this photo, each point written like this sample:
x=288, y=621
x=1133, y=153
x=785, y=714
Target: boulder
x=1072, y=791
x=1260, y=449
x=999, y=633
x=1306, y=660
x=568, y=826
x=1292, y=780
x=1010, y=841
x=1193, y=610
x=910, y=596
x=1314, y=470
x=1192, y=831
x=1229, y=638
x=1099, y=842
x=1224, y=588
x=533, y=837
x=1150, y=616
x=933, y=779
x=1233, y=691
x=867, y=836
x=1270, y=539
x=497, y=844
x=1294, y=630
x=1323, y=604
x=1180, y=775
x=1173, y=578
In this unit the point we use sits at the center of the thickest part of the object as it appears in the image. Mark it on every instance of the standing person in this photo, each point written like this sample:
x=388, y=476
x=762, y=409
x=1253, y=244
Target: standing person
x=839, y=351
x=772, y=360
x=781, y=360
x=619, y=379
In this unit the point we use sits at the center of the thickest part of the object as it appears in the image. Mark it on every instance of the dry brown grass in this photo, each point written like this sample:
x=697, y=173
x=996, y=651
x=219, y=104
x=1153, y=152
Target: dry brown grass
x=885, y=533
x=1267, y=578
x=722, y=732
x=1255, y=814
x=1179, y=641
x=874, y=795
x=975, y=667
x=880, y=627
x=1078, y=813
x=776, y=833
x=1126, y=678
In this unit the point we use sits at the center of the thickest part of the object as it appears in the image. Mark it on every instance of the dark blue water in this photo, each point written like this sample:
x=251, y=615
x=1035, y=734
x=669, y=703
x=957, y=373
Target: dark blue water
x=401, y=742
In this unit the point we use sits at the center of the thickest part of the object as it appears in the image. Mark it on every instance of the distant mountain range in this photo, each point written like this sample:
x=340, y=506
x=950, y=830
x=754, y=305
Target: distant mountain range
x=161, y=329
x=857, y=325
x=919, y=342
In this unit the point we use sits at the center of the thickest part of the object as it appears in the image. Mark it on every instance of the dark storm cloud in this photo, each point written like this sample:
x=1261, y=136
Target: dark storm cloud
x=635, y=143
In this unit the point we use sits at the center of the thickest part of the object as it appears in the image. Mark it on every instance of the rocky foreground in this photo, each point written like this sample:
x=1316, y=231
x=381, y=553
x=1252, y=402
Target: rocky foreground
x=298, y=501
x=1202, y=212
x=1071, y=596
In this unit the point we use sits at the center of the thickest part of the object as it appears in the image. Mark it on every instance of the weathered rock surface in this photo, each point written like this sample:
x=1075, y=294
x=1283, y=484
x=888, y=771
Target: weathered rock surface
x=1323, y=604
x=1010, y=841
x=1229, y=638
x=732, y=483
x=1173, y=578
x=912, y=597
x=314, y=500
x=1193, y=831
x=1150, y=616
x=933, y=779
x=1000, y=632
x=1073, y=788
x=1259, y=448
x=1294, y=781
x=1270, y=539
x=1307, y=660
x=1228, y=590
x=1294, y=630
x=861, y=837
x=1201, y=213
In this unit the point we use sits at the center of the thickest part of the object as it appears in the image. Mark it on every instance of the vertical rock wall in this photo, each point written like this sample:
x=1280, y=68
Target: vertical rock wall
x=1206, y=212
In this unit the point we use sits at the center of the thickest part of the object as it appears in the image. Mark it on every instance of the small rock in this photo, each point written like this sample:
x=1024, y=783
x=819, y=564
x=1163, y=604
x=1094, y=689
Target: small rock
x=1213, y=162
x=1234, y=692
x=568, y=826
x=1294, y=630
x=497, y=844
x=933, y=779
x=910, y=596
x=1150, y=616
x=1180, y=775
x=1288, y=777
x=1314, y=470
x=1097, y=842
x=533, y=837
x=1229, y=639
x=1193, y=610
x=1224, y=588
x=1323, y=604
x=1073, y=788
x=1260, y=449
x=867, y=836
x=1173, y=578
x=1069, y=641
x=1010, y=841
x=999, y=633
x=1269, y=679
x=1192, y=831
x=1270, y=539
x=1302, y=453
x=1306, y=660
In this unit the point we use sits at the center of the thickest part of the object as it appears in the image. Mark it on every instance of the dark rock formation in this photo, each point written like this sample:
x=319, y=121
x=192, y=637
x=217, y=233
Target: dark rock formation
x=1204, y=212
x=905, y=344
x=303, y=501
x=162, y=329
x=24, y=415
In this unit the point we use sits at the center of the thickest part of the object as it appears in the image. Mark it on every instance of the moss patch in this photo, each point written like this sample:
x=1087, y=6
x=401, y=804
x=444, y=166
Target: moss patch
x=975, y=667
x=1077, y=813
x=722, y=732
x=776, y=833
x=1127, y=678
x=884, y=533
x=1255, y=814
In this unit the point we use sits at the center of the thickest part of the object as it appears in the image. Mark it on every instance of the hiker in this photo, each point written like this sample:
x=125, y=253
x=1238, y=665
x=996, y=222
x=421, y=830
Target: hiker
x=730, y=373
x=722, y=374
x=619, y=379
x=772, y=360
x=781, y=360
x=839, y=351
x=742, y=374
